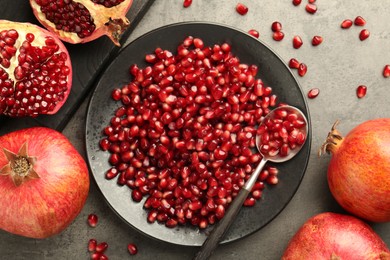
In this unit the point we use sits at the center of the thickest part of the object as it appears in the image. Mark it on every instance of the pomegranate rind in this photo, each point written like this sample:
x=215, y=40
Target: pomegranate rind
x=40, y=208
x=40, y=36
x=335, y=236
x=359, y=170
x=108, y=21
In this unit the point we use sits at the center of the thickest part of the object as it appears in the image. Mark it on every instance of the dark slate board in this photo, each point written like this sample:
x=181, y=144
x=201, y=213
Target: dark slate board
x=88, y=60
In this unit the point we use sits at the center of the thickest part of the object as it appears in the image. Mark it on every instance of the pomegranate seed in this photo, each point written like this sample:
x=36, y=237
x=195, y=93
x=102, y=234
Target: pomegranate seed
x=302, y=69
x=101, y=247
x=386, y=71
x=311, y=8
x=278, y=36
x=296, y=2
x=132, y=248
x=241, y=9
x=297, y=42
x=361, y=91
x=312, y=1
x=293, y=63
x=276, y=26
x=92, y=245
x=254, y=33
x=317, y=40
x=346, y=24
x=313, y=93
x=364, y=34
x=96, y=256
x=92, y=220
x=187, y=3
x=359, y=21
x=103, y=257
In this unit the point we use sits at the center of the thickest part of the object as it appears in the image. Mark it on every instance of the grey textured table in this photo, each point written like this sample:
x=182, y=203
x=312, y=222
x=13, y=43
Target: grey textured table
x=337, y=67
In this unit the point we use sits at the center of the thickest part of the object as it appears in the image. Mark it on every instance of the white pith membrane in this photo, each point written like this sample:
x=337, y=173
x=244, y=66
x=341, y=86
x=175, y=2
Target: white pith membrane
x=110, y=21
x=40, y=38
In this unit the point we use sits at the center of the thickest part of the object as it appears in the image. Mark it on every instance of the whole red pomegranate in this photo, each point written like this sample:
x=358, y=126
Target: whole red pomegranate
x=44, y=182
x=359, y=171
x=336, y=236
x=79, y=21
x=35, y=70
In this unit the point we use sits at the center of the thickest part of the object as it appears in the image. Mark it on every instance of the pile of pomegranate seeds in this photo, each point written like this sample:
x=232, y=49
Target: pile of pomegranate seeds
x=184, y=135
x=281, y=134
x=97, y=250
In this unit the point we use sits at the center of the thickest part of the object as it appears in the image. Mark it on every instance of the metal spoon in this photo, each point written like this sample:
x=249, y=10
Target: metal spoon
x=223, y=225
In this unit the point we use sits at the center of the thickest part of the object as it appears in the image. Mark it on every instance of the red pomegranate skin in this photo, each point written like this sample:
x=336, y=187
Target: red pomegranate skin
x=336, y=236
x=359, y=171
x=43, y=207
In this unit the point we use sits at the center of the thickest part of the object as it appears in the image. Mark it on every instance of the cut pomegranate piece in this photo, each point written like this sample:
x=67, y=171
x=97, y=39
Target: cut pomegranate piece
x=317, y=40
x=386, y=71
x=313, y=93
x=242, y=9
x=346, y=24
x=302, y=69
x=187, y=3
x=254, y=33
x=35, y=71
x=364, y=34
x=276, y=26
x=83, y=20
x=278, y=36
x=361, y=91
x=311, y=8
x=293, y=63
x=297, y=42
x=359, y=21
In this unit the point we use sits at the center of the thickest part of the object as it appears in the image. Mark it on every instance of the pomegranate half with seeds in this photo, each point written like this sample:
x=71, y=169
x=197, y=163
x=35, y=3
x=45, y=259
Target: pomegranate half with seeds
x=80, y=21
x=35, y=70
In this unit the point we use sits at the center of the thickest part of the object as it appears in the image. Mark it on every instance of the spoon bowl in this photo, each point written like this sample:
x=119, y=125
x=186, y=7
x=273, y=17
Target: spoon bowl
x=269, y=122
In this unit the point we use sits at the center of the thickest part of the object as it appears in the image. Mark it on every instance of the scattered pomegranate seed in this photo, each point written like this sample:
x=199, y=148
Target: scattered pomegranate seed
x=311, y=8
x=92, y=245
x=96, y=256
x=364, y=34
x=101, y=247
x=254, y=33
x=297, y=42
x=313, y=93
x=359, y=21
x=302, y=69
x=346, y=24
x=276, y=26
x=132, y=248
x=361, y=91
x=293, y=63
x=317, y=40
x=92, y=220
x=241, y=9
x=187, y=3
x=312, y=1
x=386, y=71
x=296, y=2
x=278, y=36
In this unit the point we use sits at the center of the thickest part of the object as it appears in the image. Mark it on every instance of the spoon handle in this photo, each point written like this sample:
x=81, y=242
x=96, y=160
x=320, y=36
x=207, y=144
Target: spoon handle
x=223, y=225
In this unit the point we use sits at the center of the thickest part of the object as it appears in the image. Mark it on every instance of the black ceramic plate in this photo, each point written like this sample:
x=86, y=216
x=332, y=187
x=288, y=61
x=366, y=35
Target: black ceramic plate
x=272, y=70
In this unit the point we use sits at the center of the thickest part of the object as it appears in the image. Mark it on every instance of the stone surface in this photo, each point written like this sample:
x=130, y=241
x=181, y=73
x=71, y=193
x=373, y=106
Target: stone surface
x=337, y=67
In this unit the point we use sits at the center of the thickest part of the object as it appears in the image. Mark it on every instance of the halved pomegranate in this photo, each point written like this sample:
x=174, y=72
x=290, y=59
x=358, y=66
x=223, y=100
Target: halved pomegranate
x=35, y=70
x=80, y=21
